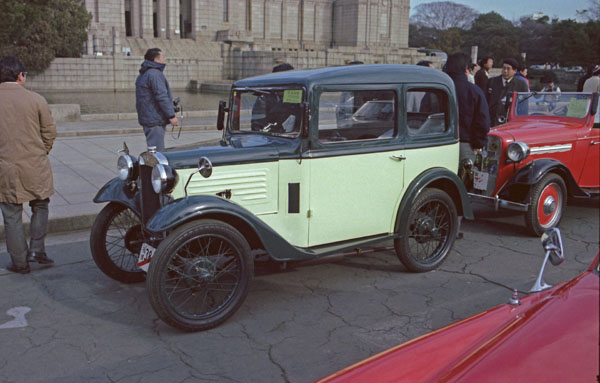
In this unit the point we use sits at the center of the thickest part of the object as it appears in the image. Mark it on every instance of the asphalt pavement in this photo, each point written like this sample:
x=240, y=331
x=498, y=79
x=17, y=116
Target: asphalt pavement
x=84, y=158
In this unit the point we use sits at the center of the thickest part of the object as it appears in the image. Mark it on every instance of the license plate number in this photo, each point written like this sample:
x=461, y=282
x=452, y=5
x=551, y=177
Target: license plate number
x=145, y=256
x=480, y=180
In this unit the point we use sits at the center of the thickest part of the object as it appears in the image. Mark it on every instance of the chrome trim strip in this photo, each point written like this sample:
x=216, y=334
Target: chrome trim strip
x=551, y=149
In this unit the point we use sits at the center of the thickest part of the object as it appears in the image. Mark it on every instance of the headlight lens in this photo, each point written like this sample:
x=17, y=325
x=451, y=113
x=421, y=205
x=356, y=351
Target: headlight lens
x=164, y=179
x=126, y=166
x=517, y=151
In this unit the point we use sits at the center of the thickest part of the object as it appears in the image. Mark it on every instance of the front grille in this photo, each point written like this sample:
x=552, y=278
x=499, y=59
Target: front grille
x=150, y=201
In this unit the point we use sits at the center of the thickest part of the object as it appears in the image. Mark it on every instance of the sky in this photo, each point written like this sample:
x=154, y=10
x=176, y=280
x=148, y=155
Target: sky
x=513, y=10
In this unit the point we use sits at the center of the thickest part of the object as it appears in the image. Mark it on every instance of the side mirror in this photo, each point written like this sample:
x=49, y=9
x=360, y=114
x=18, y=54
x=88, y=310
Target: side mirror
x=221, y=115
x=552, y=243
x=305, y=119
x=595, y=98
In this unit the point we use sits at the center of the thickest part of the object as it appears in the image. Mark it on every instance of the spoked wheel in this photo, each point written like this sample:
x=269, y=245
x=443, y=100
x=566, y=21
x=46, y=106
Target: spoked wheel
x=115, y=242
x=547, y=201
x=199, y=275
x=430, y=232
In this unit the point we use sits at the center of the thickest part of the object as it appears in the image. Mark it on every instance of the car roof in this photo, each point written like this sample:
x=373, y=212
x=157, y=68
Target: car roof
x=351, y=74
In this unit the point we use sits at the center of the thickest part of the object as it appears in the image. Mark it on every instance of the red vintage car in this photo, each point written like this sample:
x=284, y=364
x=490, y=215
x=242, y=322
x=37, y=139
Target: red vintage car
x=547, y=151
x=548, y=336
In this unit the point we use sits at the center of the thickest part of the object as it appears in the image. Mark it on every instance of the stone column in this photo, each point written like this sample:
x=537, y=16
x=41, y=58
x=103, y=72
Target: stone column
x=136, y=30
x=194, y=18
x=145, y=15
x=161, y=15
x=172, y=17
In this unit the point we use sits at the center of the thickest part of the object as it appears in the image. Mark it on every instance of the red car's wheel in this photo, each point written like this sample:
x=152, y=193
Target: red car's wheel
x=547, y=201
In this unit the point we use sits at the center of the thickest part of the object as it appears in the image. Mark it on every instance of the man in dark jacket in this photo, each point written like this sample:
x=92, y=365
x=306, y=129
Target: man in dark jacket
x=500, y=90
x=153, y=99
x=474, y=120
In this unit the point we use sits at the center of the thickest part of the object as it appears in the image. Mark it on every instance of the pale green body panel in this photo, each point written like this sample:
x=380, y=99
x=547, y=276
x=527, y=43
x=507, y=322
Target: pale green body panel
x=420, y=159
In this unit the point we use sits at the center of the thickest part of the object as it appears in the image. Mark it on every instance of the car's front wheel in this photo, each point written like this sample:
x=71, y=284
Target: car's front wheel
x=115, y=242
x=547, y=200
x=199, y=275
x=429, y=233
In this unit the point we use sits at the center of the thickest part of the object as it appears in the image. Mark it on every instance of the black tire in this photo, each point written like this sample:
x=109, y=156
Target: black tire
x=430, y=232
x=199, y=275
x=115, y=242
x=547, y=201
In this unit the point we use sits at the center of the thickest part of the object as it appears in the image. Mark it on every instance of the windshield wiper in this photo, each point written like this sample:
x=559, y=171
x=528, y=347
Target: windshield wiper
x=534, y=93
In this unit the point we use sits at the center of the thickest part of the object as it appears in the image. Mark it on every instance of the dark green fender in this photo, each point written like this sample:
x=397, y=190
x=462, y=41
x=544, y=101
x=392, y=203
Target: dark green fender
x=191, y=208
x=442, y=179
x=116, y=190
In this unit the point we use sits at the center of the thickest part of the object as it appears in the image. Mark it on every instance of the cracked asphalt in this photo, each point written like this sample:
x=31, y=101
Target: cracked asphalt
x=296, y=325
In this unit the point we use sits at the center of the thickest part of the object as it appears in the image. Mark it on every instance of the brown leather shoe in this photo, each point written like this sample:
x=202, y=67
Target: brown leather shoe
x=40, y=258
x=20, y=270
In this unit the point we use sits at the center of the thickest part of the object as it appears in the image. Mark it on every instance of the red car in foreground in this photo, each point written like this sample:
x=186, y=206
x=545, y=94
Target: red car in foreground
x=549, y=336
x=547, y=151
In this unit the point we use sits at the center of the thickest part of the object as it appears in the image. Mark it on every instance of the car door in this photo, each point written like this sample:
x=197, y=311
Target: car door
x=590, y=176
x=356, y=164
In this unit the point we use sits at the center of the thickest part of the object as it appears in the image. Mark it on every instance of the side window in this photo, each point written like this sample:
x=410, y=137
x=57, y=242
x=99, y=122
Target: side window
x=357, y=115
x=426, y=112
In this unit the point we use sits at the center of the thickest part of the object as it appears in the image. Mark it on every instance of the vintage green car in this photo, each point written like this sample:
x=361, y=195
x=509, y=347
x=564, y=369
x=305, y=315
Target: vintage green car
x=292, y=179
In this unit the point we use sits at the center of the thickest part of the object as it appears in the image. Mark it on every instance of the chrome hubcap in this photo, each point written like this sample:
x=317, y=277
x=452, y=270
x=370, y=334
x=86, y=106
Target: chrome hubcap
x=549, y=205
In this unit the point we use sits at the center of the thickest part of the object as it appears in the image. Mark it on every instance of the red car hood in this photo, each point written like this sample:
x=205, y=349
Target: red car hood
x=552, y=336
x=539, y=132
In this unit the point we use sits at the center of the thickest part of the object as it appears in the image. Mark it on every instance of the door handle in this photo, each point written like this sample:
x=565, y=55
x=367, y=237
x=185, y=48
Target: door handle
x=595, y=143
x=398, y=158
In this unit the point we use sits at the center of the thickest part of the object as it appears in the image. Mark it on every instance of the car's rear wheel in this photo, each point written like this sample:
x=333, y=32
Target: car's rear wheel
x=115, y=243
x=547, y=200
x=199, y=275
x=430, y=232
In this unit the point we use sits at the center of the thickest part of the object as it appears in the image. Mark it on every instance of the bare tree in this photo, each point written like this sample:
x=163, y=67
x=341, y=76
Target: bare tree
x=442, y=15
x=592, y=13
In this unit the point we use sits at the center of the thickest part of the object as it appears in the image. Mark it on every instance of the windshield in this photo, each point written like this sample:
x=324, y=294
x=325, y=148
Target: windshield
x=267, y=111
x=553, y=104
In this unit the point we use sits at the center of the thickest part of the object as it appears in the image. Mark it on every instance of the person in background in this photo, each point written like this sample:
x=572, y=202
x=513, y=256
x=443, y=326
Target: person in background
x=592, y=84
x=473, y=68
x=414, y=99
x=263, y=110
x=550, y=85
x=482, y=75
x=522, y=74
x=500, y=90
x=27, y=133
x=584, y=78
x=153, y=99
x=474, y=119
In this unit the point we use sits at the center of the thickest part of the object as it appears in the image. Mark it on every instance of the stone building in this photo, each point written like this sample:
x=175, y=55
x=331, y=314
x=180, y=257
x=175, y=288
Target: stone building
x=211, y=41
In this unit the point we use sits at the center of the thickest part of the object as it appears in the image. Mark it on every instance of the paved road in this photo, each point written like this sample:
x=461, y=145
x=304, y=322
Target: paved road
x=295, y=326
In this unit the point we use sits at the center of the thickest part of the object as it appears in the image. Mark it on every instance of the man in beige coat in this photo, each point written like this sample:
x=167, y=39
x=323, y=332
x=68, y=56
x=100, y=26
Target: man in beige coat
x=27, y=132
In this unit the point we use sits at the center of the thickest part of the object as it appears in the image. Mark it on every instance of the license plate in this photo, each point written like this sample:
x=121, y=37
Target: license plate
x=145, y=256
x=480, y=180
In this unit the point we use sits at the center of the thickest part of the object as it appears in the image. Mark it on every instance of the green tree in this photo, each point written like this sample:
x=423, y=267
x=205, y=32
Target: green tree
x=535, y=36
x=450, y=40
x=495, y=36
x=37, y=31
x=422, y=37
x=571, y=44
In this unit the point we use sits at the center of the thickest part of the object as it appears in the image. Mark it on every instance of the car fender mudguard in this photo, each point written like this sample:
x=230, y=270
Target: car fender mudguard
x=191, y=208
x=534, y=171
x=117, y=190
x=440, y=178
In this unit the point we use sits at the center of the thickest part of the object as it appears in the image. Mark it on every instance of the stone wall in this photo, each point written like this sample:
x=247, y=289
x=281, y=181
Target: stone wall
x=119, y=73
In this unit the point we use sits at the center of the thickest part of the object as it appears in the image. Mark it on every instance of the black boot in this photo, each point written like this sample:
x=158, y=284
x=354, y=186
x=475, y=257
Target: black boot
x=39, y=257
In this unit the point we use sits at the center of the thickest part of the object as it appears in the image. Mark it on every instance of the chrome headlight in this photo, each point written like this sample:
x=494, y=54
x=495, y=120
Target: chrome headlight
x=126, y=166
x=517, y=151
x=164, y=179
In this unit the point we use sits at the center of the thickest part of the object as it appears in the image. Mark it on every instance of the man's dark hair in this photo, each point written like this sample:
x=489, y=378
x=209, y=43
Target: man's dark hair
x=152, y=53
x=424, y=63
x=472, y=66
x=482, y=61
x=282, y=67
x=512, y=62
x=457, y=63
x=10, y=67
x=522, y=67
x=355, y=63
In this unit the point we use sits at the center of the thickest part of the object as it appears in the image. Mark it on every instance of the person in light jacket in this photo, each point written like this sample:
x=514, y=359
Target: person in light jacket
x=27, y=133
